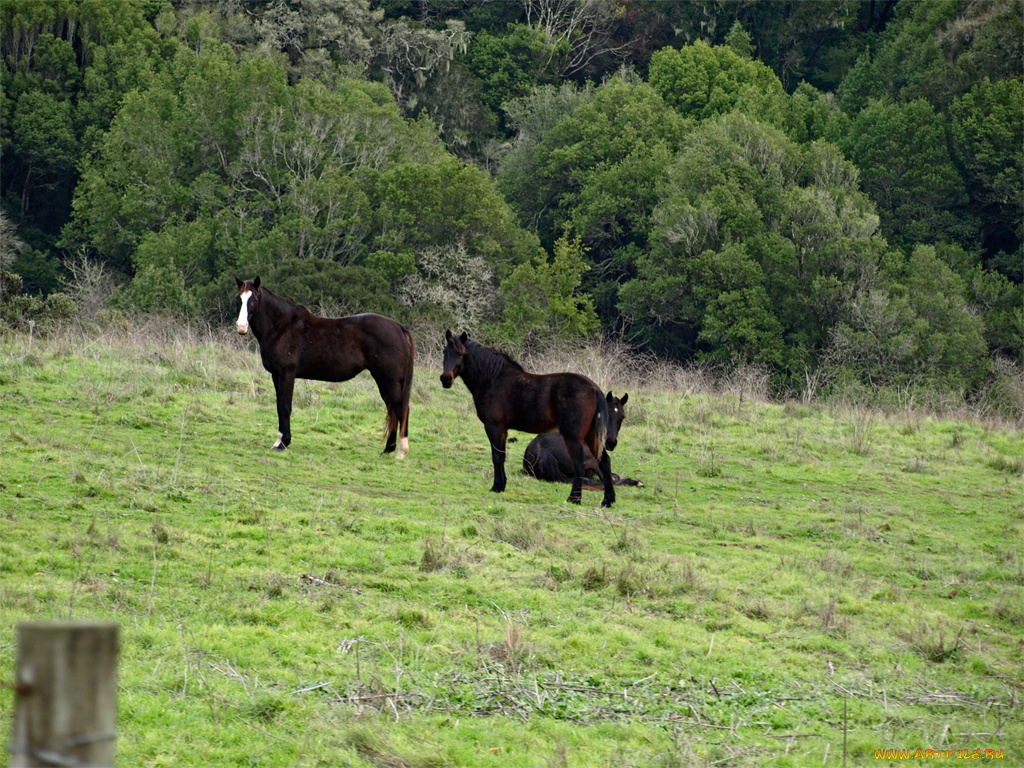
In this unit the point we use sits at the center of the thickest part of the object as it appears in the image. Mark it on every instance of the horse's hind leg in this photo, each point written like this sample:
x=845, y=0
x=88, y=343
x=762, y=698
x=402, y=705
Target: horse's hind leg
x=284, y=385
x=391, y=428
x=402, y=415
x=392, y=441
x=391, y=393
x=575, y=449
x=605, y=463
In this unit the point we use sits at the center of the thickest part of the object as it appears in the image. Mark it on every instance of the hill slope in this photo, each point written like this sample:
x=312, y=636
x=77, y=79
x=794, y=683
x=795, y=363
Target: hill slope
x=783, y=565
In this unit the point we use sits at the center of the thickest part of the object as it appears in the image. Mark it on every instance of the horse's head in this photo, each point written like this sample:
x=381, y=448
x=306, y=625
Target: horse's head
x=454, y=354
x=246, y=301
x=616, y=413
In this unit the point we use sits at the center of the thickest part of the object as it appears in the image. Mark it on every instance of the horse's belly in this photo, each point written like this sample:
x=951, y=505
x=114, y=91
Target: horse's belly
x=329, y=364
x=534, y=423
x=320, y=372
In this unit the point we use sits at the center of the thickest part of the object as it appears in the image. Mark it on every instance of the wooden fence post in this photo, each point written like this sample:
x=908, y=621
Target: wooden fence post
x=66, y=685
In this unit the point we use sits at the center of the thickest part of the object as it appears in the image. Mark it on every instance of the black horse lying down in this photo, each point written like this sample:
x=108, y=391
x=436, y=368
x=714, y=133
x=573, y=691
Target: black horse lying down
x=546, y=457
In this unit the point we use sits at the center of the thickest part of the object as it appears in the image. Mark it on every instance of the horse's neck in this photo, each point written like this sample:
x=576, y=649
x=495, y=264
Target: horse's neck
x=472, y=373
x=273, y=313
x=483, y=370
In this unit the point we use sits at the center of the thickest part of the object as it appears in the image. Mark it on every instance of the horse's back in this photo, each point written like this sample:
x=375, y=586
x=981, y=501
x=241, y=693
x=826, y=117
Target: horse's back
x=546, y=458
x=369, y=326
x=574, y=386
x=538, y=403
x=337, y=349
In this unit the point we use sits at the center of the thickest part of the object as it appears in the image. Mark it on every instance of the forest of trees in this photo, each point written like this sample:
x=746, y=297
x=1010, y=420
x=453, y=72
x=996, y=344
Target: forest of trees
x=818, y=186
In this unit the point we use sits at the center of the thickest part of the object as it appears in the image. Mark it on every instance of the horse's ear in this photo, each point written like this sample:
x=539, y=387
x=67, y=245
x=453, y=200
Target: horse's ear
x=625, y=397
x=240, y=283
x=447, y=334
x=609, y=396
x=256, y=282
x=464, y=337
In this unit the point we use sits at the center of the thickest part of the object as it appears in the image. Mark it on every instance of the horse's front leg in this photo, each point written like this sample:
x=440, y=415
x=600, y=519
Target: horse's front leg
x=284, y=385
x=497, y=436
x=578, y=468
x=605, y=464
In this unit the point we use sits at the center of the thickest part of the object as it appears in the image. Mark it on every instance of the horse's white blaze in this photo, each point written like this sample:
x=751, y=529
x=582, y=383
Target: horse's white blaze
x=403, y=448
x=243, y=316
x=278, y=443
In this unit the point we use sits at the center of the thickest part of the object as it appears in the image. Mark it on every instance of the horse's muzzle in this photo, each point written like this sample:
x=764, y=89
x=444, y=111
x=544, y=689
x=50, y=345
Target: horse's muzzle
x=446, y=380
x=610, y=444
x=242, y=329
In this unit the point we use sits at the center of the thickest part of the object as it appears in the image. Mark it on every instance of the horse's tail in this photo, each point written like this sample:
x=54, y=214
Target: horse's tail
x=402, y=417
x=407, y=383
x=600, y=424
x=396, y=423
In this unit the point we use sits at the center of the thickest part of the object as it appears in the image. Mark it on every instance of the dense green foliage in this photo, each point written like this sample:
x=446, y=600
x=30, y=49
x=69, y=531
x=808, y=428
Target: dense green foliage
x=325, y=606
x=830, y=188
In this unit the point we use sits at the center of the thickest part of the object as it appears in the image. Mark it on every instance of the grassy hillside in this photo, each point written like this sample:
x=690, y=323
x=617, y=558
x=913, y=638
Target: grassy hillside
x=791, y=577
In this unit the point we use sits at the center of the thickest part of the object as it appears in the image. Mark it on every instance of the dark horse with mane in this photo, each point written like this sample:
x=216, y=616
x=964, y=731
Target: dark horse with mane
x=507, y=396
x=295, y=343
x=547, y=458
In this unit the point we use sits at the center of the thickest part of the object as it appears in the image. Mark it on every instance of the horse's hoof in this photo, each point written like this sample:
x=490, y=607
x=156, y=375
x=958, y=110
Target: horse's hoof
x=607, y=504
x=278, y=447
x=571, y=500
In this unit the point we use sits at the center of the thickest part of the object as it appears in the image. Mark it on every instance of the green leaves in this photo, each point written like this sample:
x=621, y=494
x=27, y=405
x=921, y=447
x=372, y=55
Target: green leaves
x=737, y=320
x=988, y=134
x=748, y=221
x=510, y=65
x=907, y=170
x=722, y=208
x=596, y=164
x=542, y=298
x=701, y=80
x=270, y=171
x=42, y=133
x=919, y=328
x=952, y=345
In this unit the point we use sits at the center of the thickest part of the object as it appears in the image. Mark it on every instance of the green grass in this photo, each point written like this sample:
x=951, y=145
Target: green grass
x=325, y=606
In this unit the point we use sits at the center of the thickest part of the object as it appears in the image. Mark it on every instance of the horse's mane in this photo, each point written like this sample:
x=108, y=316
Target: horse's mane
x=299, y=309
x=488, y=362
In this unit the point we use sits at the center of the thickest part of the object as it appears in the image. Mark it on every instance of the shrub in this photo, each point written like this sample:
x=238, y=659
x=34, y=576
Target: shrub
x=1003, y=393
x=58, y=307
x=90, y=283
x=112, y=320
x=18, y=309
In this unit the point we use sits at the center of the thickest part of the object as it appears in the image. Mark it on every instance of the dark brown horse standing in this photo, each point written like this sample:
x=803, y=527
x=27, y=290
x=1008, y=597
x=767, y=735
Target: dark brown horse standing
x=295, y=343
x=547, y=457
x=507, y=396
